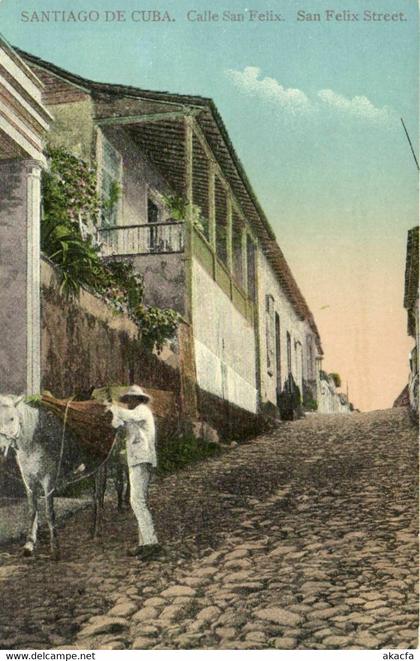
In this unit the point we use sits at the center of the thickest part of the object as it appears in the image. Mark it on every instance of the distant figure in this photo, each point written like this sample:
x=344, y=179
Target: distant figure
x=137, y=427
x=289, y=400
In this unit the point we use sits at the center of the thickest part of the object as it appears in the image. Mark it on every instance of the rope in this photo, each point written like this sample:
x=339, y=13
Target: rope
x=97, y=469
x=10, y=475
x=61, y=450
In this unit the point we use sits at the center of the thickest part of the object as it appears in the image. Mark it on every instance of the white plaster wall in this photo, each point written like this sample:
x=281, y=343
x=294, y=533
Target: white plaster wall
x=224, y=343
x=329, y=400
x=289, y=322
x=139, y=180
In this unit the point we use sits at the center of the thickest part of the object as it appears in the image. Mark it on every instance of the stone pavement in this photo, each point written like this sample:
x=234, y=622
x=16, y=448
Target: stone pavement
x=304, y=538
x=13, y=513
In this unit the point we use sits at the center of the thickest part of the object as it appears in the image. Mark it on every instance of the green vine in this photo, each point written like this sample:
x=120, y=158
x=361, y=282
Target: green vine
x=69, y=197
x=69, y=188
x=109, y=204
x=178, y=209
x=157, y=325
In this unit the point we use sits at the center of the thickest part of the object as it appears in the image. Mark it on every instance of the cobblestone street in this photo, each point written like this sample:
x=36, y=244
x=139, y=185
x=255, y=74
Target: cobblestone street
x=303, y=538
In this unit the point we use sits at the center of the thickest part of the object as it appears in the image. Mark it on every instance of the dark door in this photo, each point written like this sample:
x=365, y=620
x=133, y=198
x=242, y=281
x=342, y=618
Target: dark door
x=278, y=354
x=289, y=353
x=153, y=217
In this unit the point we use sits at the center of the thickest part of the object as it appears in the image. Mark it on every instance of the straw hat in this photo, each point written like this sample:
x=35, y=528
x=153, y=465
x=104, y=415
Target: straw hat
x=135, y=392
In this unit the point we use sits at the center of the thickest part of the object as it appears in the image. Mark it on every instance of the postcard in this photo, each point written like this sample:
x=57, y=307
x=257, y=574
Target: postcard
x=209, y=322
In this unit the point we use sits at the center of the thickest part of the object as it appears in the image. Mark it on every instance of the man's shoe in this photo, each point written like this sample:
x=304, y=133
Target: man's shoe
x=149, y=552
x=135, y=551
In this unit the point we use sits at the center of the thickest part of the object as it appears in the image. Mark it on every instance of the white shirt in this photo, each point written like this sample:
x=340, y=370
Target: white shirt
x=138, y=427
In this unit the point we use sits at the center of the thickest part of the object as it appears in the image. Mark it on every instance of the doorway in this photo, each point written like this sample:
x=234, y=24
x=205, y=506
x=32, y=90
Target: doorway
x=278, y=354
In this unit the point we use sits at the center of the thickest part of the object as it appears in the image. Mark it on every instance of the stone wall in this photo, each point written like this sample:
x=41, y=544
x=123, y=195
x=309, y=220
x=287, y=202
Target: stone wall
x=84, y=343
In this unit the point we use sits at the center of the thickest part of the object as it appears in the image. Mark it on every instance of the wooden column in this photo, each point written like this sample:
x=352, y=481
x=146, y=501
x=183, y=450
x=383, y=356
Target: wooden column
x=229, y=233
x=186, y=330
x=188, y=193
x=259, y=343
x=244, y=249
x=188, y=127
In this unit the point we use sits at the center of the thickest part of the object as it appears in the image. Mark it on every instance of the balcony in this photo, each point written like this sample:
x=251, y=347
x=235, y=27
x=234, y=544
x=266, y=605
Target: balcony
x=150, y=239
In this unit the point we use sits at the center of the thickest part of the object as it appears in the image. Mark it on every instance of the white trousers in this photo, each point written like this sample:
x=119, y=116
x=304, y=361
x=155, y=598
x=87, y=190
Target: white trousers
x=139, y=476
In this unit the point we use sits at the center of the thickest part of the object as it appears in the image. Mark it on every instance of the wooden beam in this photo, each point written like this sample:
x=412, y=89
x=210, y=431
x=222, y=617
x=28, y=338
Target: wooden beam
x=142, y=119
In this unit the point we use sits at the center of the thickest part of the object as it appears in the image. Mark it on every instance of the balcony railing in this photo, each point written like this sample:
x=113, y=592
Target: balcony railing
x=153, y=238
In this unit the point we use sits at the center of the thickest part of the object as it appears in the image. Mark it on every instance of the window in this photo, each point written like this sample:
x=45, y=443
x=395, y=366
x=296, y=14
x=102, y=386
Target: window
x=111, y=178
x=251, y=268
x=237, y=257
x=220, y=200
x=309, y=358
x=270, y=333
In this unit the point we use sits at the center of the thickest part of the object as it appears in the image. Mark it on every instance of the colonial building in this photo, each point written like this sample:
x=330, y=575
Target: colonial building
x=189, y=221
x=24, y=122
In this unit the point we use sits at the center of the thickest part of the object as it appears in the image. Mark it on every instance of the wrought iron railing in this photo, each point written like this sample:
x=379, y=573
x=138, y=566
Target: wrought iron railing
x=153, y=238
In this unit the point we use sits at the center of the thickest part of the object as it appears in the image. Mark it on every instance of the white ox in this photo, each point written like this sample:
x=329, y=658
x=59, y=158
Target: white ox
x=49, y=458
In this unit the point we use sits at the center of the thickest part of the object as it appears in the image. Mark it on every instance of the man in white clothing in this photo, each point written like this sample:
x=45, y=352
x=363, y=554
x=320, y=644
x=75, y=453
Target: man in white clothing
x=137, y=426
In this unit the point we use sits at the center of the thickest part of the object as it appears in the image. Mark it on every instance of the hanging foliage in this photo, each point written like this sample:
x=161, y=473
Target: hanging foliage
x=69, y=188
x=157, y=325
x=70, y=201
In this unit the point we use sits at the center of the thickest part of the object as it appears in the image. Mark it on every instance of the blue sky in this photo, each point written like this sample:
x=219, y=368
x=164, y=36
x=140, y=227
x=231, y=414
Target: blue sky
x=313, y=110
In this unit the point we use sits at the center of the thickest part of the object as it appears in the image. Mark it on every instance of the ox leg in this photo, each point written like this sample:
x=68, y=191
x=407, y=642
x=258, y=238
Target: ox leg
x=119, y=485
x=98, y=501
x=102, y=484
x=127, y=486
x=28, y=549
x=50, y=515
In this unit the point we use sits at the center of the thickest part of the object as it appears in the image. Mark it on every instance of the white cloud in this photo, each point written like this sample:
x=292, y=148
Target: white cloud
x=358, y=106
x=296, y=101
x=270, y=89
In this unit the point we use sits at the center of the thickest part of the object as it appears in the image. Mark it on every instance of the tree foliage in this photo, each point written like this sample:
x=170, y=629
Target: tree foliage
x=336, y=378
